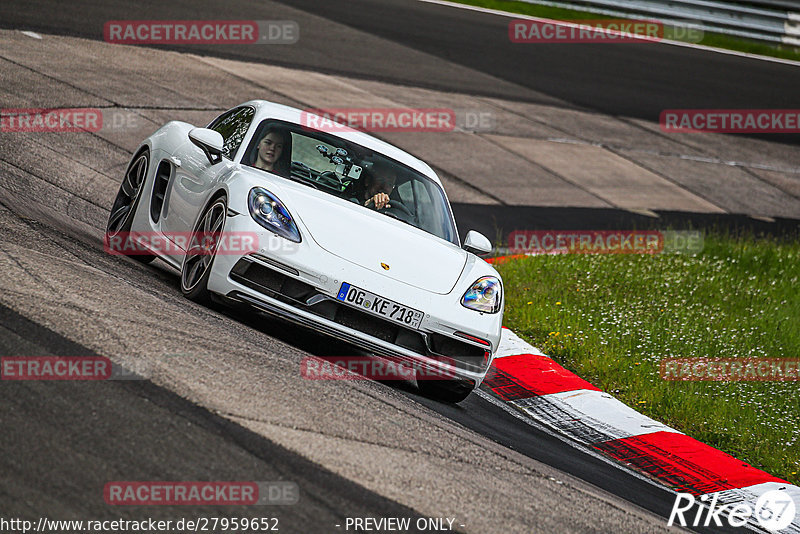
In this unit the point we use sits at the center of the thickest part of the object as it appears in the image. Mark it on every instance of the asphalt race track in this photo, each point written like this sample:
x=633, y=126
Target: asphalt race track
x=224, y=399
x=634, y=81
x=70, y=439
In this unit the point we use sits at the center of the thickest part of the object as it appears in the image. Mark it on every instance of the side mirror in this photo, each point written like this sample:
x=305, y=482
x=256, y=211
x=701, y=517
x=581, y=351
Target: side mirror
x=477, y=243
x=209, y=141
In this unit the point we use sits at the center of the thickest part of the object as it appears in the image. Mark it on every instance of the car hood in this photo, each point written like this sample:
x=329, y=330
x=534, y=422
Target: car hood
x=372, y=240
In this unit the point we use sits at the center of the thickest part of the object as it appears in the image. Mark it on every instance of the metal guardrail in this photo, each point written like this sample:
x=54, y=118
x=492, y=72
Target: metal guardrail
x=776, y=21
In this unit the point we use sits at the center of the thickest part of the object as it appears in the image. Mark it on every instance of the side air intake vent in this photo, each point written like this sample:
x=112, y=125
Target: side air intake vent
x=160, y=189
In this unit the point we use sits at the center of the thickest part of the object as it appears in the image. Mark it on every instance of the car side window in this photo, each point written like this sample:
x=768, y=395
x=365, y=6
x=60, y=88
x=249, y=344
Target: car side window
x=233, y=126
x=427, y=211
x=405, y=193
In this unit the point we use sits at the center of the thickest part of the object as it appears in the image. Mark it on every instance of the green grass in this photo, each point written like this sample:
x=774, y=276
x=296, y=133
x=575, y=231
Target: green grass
x=716, y=40
x=612, y=318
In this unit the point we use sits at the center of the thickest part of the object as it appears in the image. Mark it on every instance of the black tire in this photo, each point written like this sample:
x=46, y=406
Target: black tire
x=451, y=391
x=199, y=258
x=120, y=220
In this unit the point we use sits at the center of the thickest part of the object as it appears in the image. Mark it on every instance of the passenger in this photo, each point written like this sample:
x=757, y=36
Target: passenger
x=274, y=153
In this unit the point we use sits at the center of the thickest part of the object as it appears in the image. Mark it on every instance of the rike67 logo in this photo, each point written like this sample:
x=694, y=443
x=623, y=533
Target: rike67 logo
x=774, y=510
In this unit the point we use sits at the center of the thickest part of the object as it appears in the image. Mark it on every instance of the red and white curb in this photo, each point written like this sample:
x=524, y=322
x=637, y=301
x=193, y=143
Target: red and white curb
x=539, y=388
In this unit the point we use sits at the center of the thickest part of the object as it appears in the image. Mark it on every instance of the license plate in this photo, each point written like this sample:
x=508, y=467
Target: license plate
x=378, y=305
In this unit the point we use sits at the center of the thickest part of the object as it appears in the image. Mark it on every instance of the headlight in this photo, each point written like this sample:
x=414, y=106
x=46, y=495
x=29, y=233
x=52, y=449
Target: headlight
x=485, y=295
x=269, y=212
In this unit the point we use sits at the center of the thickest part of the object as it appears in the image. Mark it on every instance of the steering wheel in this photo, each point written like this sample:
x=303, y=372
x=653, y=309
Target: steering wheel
x=399, y=211
x=304, y=167
x=330, y=176
x=308, y=180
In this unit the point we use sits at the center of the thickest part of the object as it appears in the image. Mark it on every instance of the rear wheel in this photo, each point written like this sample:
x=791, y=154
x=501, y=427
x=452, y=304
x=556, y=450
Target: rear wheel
x=202, y=250
x=120, y=220
x=445, y=390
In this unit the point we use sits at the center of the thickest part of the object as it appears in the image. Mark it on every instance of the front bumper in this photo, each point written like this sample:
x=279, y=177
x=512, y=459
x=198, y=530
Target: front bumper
x=288, y=298
x=281, y=284
x=361, y=340
x=271, y=287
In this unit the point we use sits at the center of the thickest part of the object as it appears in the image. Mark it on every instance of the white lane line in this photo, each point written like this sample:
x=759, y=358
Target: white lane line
x=568, y=24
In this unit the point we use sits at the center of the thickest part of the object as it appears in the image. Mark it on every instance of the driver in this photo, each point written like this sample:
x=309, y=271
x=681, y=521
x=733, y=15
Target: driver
x=374, y=188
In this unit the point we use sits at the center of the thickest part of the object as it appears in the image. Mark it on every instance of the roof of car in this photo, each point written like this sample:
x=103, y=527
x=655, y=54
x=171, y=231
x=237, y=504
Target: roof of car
x=270, y=110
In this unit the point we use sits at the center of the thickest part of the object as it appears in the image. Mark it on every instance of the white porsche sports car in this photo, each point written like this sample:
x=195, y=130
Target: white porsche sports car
x=344, y=233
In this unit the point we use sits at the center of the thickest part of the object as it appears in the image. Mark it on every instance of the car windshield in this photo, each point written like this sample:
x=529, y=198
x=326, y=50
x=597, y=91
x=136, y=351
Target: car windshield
x=352, y=172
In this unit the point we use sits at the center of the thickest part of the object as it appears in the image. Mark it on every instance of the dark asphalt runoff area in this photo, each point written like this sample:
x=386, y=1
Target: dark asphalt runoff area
x=63, y=441
x=630, y=80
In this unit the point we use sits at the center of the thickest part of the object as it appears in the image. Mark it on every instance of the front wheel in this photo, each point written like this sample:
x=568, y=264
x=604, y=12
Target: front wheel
x=120, y=220
x=201, y=252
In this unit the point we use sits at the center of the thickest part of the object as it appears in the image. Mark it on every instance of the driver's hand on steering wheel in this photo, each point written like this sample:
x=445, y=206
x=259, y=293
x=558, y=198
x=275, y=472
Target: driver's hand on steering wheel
x=381, y=200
